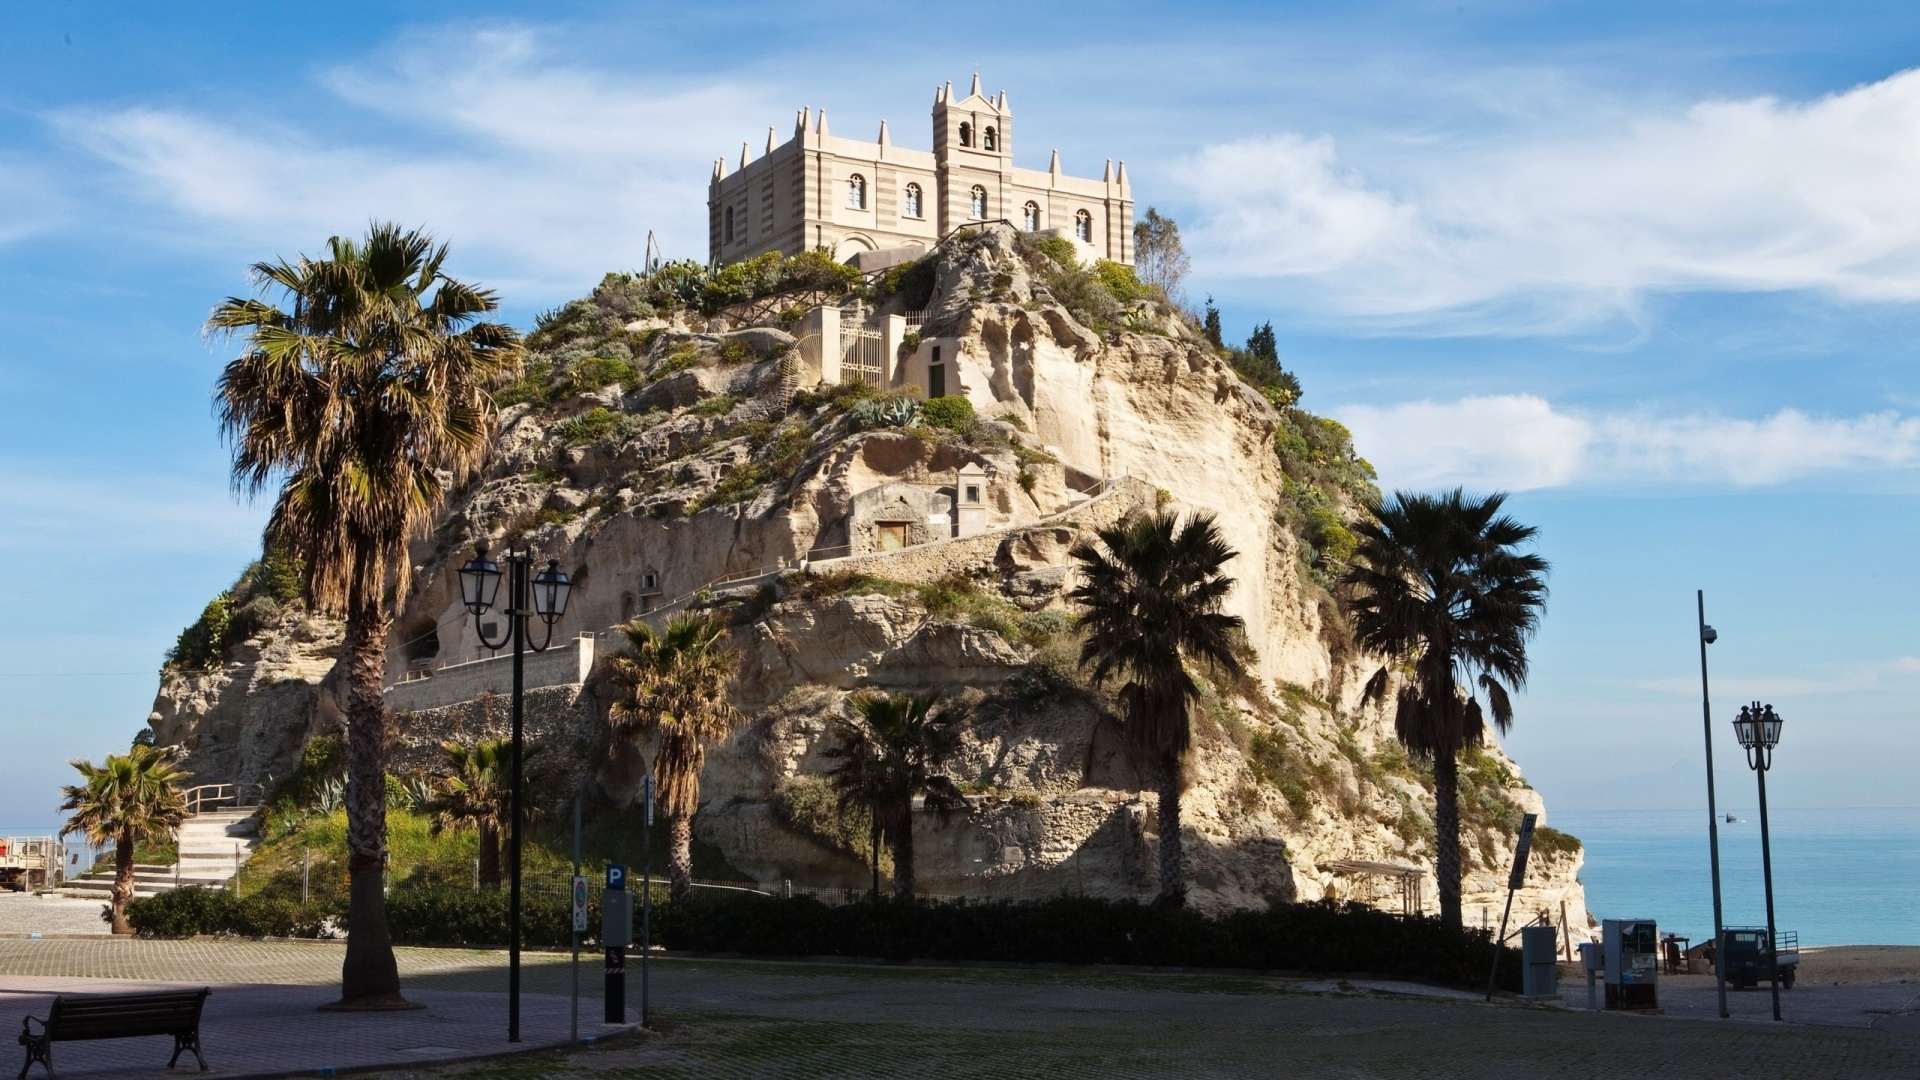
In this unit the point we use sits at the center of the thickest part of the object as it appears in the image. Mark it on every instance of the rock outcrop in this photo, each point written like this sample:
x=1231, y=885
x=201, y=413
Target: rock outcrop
x=706, y=463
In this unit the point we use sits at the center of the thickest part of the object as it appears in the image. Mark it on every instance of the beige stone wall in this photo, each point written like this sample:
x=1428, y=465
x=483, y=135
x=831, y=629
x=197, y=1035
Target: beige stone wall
x=793, y=197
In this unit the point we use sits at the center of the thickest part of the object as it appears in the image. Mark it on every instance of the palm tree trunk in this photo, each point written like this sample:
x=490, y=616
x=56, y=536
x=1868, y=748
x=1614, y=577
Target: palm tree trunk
x=369, y=977
x=903, y=852
x=1173, y=885
x=122, y=881
x=489, y=855
x=1446, y=836
x=680, y=856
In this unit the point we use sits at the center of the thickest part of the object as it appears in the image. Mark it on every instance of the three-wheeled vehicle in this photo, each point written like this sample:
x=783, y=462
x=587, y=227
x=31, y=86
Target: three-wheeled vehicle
x=1747, y=960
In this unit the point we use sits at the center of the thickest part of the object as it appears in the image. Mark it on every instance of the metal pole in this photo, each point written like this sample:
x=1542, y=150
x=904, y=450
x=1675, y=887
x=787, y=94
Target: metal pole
x=1766, y=868
x=1713, y=813
x=306, y=873
x=516, y=614
x=1493, y=973
x=646, y=899
x=575, y=1037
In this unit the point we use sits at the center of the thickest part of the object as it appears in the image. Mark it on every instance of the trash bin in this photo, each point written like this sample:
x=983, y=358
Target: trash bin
x=1539, y=955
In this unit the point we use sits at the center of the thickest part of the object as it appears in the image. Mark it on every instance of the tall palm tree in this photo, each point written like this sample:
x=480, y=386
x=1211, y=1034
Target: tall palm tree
x=364, y=398
x=128, y=798
x=1151, y=590
x=1437, y=584
x=477, y=795
x=890, y=753
x=673, y=683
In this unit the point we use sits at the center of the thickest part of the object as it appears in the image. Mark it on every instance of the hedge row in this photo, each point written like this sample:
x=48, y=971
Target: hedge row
x=1320, y=938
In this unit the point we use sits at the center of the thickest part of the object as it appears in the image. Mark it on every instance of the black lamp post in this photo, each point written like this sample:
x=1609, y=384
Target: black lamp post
x=544, y=595
x=1758, y=729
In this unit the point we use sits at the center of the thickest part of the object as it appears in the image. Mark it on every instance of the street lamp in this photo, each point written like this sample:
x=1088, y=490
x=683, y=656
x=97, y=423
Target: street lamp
x=1708, y=635
x=549, y=589
x=1758, y=729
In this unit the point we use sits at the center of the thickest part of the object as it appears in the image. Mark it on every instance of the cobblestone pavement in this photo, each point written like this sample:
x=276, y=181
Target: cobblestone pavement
x=722, y=1019
x=26, y=913
x=1892, y=1005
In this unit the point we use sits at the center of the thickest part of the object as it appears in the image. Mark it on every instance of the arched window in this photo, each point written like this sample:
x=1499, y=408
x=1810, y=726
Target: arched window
x=966, y=134
x=913, y=201
x=1083, y=225
x=856, y=192
x=990, y=139
x=979, y=205
x=729, y=224
x=1030, y=217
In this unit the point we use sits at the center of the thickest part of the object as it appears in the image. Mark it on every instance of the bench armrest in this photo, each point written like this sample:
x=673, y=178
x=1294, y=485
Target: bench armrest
x=27, y=1022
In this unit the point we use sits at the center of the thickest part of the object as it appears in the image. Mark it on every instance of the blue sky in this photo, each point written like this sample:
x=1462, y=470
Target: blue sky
x=1657, y=271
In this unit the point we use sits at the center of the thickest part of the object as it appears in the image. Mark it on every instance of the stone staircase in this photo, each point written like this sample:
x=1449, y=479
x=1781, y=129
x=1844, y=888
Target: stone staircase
x=213, y=845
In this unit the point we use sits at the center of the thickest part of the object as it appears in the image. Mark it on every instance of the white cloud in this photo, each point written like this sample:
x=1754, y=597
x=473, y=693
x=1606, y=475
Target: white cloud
x=543, y=175
x=28, y=203
x=1519, y=442
x=1741, y=195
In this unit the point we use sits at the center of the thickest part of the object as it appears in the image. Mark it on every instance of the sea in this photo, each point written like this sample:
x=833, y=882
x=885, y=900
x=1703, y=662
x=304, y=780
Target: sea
x=1840, y=876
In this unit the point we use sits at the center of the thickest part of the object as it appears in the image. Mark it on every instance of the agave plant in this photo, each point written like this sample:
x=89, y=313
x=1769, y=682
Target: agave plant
x=883, y=413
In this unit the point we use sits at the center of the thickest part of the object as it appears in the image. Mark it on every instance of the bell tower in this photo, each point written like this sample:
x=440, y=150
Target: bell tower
x=973, y=156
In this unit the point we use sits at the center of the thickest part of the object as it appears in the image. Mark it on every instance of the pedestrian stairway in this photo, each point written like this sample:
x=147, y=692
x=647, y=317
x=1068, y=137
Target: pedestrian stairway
x=214, y=844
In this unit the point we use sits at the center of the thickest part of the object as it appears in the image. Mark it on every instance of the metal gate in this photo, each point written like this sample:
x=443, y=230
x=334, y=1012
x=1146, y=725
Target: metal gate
x=863, y=357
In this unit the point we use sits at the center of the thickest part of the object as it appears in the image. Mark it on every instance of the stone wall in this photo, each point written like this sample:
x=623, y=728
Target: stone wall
x=565, y=664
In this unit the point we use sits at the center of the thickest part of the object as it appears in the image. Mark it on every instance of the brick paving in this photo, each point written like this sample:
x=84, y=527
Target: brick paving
x=746, y=1019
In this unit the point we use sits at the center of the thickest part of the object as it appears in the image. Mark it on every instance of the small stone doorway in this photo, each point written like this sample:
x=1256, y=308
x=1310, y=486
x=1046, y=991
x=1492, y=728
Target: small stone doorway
x=893, y=534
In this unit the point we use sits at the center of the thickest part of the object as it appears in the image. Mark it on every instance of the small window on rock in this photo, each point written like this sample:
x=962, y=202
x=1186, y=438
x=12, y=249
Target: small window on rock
x=973, y=493
x=1083, y=226
x=978, y=206
x=857, y=192
x=1030, y=217
x=913, y=201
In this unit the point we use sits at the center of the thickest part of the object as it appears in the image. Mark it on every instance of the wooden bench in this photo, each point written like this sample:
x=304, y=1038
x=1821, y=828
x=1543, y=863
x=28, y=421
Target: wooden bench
x=77, y=1017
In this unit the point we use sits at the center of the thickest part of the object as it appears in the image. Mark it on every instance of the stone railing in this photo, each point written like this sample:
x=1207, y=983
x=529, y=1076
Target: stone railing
x=563, y=665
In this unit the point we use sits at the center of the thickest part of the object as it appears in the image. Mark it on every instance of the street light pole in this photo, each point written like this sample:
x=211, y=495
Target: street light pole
x=1707, y=637
x=1758, y=728
x=545, y=595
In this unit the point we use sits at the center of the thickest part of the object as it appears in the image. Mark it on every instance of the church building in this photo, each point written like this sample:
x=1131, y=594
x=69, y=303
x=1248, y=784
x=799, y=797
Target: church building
x=875, y=204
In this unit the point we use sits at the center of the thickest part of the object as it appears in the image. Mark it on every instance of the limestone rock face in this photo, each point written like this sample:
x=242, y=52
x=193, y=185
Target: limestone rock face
x=712, y=482
x=246, y=721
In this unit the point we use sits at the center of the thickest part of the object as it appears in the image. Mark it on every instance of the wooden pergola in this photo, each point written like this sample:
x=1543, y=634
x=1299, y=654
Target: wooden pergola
x=1376, y=881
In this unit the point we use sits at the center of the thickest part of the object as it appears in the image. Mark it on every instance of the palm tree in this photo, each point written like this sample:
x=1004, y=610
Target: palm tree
x=129, y=798
x=1151, y=590
x=477, y=795
x=890, y=753
x=1437, y=585
x=673, y=683
x=365, y=400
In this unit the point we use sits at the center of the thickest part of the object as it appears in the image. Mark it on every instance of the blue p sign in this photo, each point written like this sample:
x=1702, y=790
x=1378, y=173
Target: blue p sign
x=616, y=876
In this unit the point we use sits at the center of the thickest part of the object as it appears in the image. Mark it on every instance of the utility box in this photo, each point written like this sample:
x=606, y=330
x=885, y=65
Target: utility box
x=1632, y=951
x=616, y=919
x=1539, y=957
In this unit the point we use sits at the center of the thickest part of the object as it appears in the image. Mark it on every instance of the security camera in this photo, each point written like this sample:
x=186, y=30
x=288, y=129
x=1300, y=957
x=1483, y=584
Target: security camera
x=1709, y=635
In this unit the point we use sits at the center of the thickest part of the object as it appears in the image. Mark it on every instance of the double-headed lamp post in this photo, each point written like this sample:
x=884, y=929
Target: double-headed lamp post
x=545, y=595
x=1758, y=729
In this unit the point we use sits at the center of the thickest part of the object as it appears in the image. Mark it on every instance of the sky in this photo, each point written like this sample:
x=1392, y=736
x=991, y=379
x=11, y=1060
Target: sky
x=1652, y=268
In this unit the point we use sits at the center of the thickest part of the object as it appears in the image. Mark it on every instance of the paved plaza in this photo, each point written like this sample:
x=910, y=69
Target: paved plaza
x=717, y=1018
x=25, y=914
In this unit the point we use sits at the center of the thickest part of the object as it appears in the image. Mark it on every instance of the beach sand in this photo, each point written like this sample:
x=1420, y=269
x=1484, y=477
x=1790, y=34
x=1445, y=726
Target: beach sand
x=1854, y=965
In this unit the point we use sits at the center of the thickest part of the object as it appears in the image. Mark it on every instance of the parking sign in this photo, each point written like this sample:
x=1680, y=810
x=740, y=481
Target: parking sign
x=579, y=905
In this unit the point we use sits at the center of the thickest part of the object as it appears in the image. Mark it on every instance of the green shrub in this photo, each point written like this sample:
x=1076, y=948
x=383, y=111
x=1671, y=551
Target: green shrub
x=912, y=282
x=588, y=427
x=1322, y=937
x=718, y=405
x=952, y=412
x=195, y=910
x=1120, y=282
x=534, y=386
x=1059, y=249
x=203, y=645
x=883, y=412
x=673, y=365
x=735, y=351
x=1554, y=842
x=596, y=372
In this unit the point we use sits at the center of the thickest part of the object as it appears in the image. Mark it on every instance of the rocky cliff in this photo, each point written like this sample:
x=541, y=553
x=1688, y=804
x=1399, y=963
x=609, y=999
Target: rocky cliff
x=668, y=467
